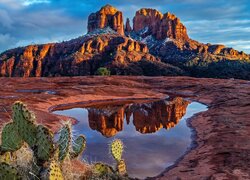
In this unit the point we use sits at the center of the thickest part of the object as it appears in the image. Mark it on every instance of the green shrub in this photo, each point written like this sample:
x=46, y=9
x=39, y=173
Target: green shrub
x=102, y=71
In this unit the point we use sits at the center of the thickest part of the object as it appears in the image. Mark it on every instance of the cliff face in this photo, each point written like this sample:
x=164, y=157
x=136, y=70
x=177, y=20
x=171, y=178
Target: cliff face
x=160, y=26
x=168, y=39
x=81, y=56
x=158, y=44
x=107, y=16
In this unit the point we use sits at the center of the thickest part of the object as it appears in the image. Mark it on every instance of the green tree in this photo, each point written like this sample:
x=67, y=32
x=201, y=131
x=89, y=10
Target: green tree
x=102, y=71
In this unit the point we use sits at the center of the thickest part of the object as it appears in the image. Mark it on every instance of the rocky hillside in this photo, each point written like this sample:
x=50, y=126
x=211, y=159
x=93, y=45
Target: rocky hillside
x=167, y=38
x=156, y=44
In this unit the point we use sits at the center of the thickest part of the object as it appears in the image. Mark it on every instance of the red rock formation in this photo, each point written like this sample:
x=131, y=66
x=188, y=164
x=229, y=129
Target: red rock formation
x=190, y=50
x=107, y=16
x=81, y=56
x=128, y=28
x=159, y=25
x=179, y=47
x=147, y=18
x=171, y=27
x=152, y=117
x=107, y=121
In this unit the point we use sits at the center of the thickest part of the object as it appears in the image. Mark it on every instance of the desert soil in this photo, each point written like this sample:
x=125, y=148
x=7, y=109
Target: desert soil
x=221, y=134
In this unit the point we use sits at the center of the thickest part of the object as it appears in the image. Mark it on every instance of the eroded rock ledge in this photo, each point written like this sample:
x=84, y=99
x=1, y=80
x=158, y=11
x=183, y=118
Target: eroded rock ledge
x=222, y=132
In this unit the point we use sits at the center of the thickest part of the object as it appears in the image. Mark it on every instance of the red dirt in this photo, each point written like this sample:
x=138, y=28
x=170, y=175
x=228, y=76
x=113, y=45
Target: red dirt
x=222, y=132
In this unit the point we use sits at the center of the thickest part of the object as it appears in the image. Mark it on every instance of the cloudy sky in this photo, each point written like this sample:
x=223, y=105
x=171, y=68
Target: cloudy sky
x=24, y=22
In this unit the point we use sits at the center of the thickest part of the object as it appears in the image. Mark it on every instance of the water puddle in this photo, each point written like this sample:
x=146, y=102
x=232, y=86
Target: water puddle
x=155, y=133
x=36, y=91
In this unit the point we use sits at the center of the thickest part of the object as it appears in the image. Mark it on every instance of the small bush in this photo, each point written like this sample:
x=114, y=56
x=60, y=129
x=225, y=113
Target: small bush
x=102, y=71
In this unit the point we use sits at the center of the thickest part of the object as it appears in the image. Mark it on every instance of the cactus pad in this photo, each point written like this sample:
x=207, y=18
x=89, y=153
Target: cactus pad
x=53, y=172
x=27, y=131
x=24, y=120
x=20, y=112
x=78, y=146
x=11, y=141
x=44, y=146
x=64, y=142
x=116, y=149
x=8, y=172
x=121, y=167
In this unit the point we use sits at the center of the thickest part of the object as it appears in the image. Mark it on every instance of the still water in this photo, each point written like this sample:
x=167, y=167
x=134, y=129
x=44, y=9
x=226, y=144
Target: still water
x=155, y=134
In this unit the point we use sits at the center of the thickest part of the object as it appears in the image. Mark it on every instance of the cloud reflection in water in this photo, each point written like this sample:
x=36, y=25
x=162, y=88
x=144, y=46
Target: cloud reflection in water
x=155, y=137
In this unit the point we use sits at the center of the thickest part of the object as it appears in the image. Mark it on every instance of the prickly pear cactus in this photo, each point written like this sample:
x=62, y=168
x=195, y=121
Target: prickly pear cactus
x=11, y=140
x=78, y=146
x=53, y=172
x=102, y=169
x=28, y=131
x=116, y=149
x=8, y=172
x=121, y=167
x=44, y=145
x=64, y=142
x=24, y=120
x=21, y=112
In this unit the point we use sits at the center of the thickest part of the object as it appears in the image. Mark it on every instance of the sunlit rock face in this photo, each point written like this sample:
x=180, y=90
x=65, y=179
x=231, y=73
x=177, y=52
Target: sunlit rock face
x=108, y=121
x=81, y=56
x=161, y=26
x=147, y=118
x=107, y=16
x=167, y=38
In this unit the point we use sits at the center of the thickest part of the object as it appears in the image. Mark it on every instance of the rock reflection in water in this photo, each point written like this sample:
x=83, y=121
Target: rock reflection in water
x=150, y=147
x=147, y=117
x=106, y=120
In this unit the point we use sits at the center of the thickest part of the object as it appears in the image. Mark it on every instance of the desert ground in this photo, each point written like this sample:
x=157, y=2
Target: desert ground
x=221, y=146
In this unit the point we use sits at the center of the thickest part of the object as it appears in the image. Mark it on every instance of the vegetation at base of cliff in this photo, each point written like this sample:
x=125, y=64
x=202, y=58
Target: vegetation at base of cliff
x=237, y=69
x=147, y=68
x=224, y=69
x=29, y=151
x=102, y=71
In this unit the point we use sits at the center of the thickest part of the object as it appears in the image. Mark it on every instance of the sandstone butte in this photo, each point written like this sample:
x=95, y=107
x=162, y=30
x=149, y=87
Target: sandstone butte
x=159, y=25
x=158, y=44
x=221, y=146
x=108, y=16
